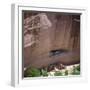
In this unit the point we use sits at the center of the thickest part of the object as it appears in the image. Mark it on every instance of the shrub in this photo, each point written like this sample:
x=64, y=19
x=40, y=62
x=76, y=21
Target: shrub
x=78, y=67
x=66, y=72
x=44, y=72
x=76, y=70
x=32, y=72
x=58, y=73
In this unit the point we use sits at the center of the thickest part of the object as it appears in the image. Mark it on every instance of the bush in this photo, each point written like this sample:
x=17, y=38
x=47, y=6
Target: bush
x=78, y=67
x=44, y=72
x=58, y=73
x=66, y=72
x=32, y=72
x=76, y=70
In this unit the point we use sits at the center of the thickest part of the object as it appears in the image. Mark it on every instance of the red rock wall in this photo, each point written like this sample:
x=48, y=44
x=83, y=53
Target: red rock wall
x=63, y=34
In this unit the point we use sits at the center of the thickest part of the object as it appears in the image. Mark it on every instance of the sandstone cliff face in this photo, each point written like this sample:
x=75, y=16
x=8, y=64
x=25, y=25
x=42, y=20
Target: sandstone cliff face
x=52, y=31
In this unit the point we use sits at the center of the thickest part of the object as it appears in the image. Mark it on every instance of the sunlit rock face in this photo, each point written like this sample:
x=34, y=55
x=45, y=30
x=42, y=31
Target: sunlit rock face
x=45, y=22
x=33, y=25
